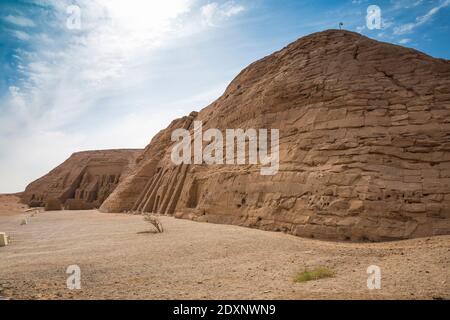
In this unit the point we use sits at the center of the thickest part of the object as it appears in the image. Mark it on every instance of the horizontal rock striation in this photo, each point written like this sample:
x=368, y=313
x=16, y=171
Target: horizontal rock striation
x=364, y=146
x=83, y=181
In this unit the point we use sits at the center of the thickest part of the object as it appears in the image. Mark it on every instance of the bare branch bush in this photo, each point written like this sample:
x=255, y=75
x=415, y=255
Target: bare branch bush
x=153, y=220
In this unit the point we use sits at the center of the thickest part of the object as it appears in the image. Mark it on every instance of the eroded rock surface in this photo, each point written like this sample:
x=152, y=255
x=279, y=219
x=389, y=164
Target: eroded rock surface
x=83, y=181
x=364, y=146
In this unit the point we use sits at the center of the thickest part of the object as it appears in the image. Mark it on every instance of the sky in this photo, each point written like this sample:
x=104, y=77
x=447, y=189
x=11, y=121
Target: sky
x=100, y=74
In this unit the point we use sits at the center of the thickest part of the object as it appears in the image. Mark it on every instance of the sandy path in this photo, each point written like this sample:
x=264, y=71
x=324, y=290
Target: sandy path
x=198, y=260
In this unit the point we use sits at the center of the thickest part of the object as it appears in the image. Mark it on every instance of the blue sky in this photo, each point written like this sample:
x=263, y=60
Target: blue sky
x=133, y=66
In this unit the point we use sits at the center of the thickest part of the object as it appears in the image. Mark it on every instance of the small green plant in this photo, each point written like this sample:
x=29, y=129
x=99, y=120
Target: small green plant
x=314, y=274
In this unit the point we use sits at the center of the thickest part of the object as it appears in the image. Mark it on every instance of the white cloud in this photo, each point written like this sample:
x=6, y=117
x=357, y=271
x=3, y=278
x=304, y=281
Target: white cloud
x=386, y=23
x=209, y=11
x=21, y=35
x=213, y=13
x=230, y=9
x=136, y=128
x=360, y=29
x=65, y=80
x=405, y=41
x=76, y=82
x=409, y=27
x=14, y=91
x=19, y=21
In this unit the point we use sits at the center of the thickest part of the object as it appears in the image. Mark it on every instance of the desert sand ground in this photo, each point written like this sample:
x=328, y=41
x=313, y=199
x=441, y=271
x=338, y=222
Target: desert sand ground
x=191, y=260
x=10, y=204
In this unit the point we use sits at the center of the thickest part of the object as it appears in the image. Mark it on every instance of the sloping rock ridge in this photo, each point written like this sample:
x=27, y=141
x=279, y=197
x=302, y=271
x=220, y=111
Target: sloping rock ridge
x=364, y=146
x=83, y=181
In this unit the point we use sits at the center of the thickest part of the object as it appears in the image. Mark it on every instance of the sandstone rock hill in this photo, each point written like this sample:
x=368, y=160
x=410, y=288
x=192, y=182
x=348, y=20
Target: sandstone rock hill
x=83, y=181
x=364, y=146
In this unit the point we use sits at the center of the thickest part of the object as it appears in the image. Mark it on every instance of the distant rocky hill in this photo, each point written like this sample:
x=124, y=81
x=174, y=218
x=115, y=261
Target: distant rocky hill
x=83, y=181
x=364, y=146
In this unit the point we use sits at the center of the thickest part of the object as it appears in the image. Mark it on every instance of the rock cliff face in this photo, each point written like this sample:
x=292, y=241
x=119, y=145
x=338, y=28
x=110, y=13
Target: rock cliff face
x=83, y=181
x=364, y=146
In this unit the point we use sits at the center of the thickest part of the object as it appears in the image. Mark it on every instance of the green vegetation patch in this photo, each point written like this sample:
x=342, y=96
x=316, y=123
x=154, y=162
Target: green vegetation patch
x=314, y=274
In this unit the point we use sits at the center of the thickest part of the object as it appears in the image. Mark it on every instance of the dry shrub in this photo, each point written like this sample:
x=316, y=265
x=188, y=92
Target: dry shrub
x=153, y=220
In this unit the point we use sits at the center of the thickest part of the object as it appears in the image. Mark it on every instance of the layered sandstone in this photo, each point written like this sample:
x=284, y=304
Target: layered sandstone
x=83, y=181
x=364, y=146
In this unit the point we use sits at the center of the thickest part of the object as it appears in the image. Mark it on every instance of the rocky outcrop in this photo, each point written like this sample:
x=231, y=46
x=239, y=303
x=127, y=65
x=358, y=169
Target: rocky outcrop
x=364, y=146
x=83, y=181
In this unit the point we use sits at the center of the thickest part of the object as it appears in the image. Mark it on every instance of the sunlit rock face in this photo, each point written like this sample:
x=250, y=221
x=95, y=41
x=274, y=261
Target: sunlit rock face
x=83, y=181
x=364, y=146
